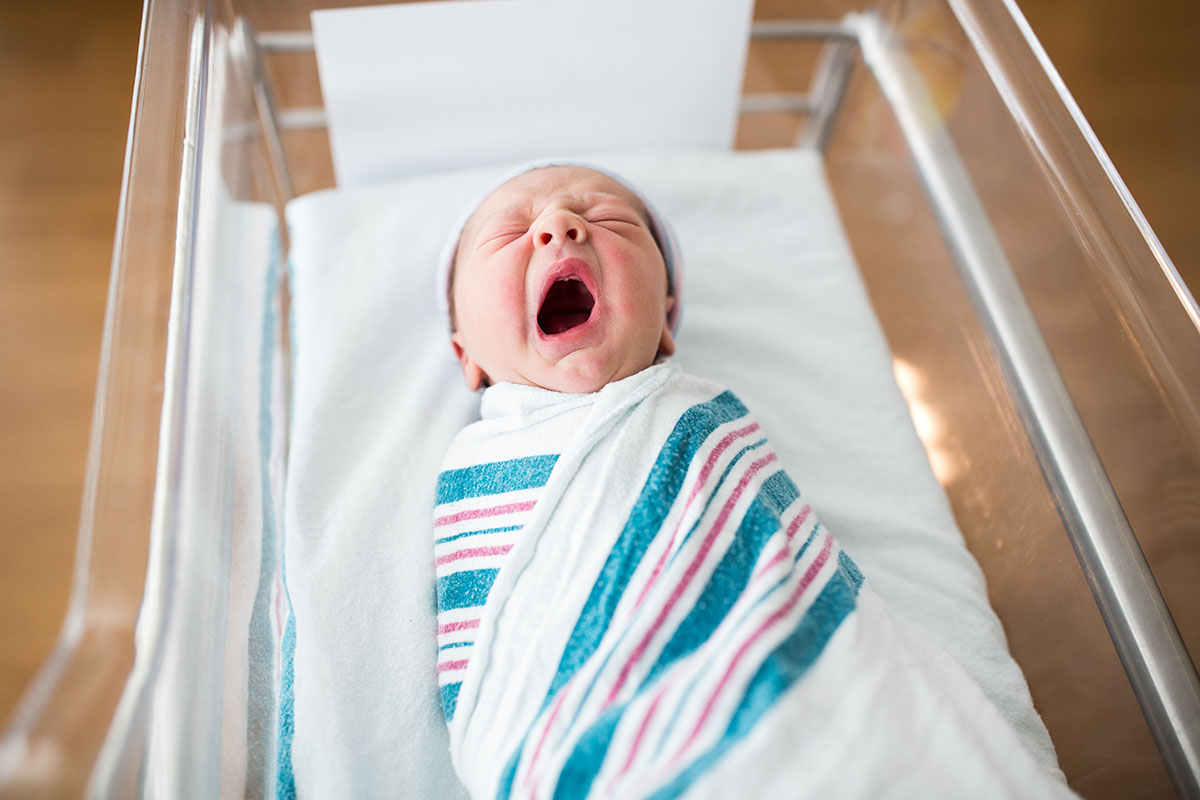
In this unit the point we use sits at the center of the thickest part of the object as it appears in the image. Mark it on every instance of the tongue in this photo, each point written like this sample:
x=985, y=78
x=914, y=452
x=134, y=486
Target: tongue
x=567, y=305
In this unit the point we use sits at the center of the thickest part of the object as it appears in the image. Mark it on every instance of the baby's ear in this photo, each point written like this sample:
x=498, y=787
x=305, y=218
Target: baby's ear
x=474, y=375
x=666, y=342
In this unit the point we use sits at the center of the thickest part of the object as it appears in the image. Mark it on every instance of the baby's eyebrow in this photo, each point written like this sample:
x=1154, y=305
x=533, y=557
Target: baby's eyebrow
x=510, y=212
x=595, y=198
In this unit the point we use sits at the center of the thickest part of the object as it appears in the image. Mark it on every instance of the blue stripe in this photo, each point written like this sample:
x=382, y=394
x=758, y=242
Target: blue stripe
x=464, y=589
x=449, y=645
x=579, y=770
x=494, y=478
x=812, y=537
x=510, y=773
x=505, y=529
x=658, y=494
x=450, y=698
x=285, y=781
x=781, y=669
x=724, y=587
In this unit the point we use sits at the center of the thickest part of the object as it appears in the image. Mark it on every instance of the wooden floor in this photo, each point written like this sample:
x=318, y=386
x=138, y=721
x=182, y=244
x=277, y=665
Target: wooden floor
x=66, y=81
x=66, y=76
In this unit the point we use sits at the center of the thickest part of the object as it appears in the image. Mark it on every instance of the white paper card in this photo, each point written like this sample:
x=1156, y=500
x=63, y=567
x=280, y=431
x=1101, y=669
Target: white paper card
x=427, y=87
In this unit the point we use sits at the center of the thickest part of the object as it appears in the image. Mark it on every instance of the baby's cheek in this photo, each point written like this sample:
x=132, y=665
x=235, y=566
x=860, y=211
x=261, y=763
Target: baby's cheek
x=648, y=271
x=509, y=302
x=503, y=315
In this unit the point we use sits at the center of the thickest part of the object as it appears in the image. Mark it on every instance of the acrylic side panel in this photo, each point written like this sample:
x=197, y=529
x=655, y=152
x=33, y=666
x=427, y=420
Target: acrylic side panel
x=963, y=406
x=171, y=550
x=1120, y=324
x=978, y=447
x=207, y=638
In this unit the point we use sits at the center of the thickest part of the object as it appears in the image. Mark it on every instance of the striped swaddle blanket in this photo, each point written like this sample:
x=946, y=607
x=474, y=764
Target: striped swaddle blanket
x=635, y=600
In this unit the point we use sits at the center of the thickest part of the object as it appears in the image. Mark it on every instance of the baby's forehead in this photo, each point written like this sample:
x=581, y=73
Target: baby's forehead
x=572, y=186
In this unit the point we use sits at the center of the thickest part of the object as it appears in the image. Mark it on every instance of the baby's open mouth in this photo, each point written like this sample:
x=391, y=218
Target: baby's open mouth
x=568, y=304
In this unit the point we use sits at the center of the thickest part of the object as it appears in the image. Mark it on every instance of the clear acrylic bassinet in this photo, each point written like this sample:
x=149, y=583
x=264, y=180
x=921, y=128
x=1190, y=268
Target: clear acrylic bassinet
x=1046, y=346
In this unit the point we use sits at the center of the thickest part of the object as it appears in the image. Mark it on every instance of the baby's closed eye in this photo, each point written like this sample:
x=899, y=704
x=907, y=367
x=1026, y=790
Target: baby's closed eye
x=611, y=216
x=499, y=237
x=506, y=234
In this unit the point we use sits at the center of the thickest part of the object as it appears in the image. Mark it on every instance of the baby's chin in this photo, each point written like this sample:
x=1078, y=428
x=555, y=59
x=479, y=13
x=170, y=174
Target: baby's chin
x=578, y=373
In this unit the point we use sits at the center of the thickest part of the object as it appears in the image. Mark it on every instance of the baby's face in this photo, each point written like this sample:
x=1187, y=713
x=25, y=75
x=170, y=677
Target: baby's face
x=559, y=284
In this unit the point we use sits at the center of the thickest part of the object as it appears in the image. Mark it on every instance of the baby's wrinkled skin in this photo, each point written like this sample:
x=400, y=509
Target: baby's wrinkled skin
x=558, y=283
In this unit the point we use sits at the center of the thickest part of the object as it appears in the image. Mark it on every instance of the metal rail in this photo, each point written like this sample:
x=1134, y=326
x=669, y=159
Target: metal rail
x=302, y=41
x=821, y=104
x=792, y=29
x=829, y=87
x=264, y=100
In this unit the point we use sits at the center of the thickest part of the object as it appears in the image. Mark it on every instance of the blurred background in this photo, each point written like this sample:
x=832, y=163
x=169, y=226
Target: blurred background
x=66, y=81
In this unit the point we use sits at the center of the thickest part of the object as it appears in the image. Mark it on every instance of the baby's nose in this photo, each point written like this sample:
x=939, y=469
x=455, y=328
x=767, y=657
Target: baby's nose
x=559, y=226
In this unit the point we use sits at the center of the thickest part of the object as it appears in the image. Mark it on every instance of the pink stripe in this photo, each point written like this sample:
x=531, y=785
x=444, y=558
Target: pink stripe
x=809, y=575
x=450, y=627
x=791, y=532
x=798, y=521
x=537, y=751
x=476, y=513
x=279, y=618
x=471, y=552
x=701, y=479
x=450, y=666
x=637, y=740
x=775, y=559
x=692, y=569
x=721, y=447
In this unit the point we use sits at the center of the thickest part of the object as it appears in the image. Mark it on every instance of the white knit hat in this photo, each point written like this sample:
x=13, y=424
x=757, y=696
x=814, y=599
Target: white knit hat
x=664, y=237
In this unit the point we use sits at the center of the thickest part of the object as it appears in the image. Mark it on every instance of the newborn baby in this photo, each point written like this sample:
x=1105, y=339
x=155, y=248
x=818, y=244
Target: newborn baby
x=634, y=599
